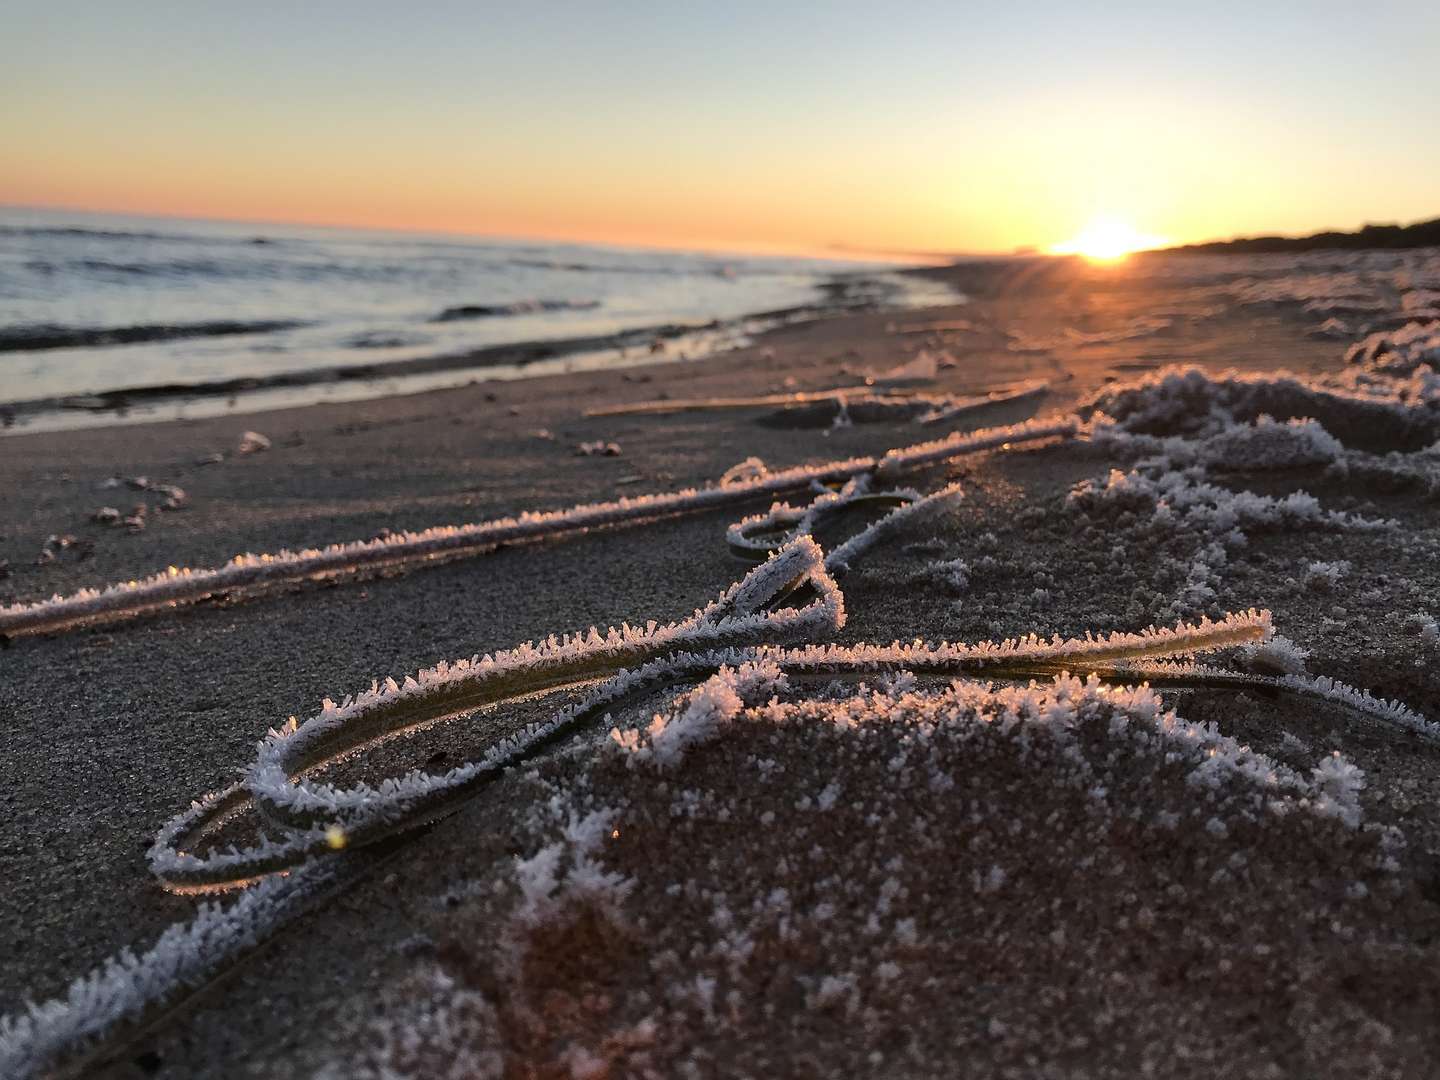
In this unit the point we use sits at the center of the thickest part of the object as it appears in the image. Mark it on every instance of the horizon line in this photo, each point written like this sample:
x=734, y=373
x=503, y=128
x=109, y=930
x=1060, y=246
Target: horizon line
x=757, y=249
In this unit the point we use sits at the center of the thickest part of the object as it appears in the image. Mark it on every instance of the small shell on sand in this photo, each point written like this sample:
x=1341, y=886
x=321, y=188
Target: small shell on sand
x=252, y=442
x=175, y=497
x=54, y=544
x=106, y=515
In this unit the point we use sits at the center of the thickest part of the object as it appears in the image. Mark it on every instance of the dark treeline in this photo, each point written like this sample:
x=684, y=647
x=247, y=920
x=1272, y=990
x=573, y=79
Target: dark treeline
x=1420, y=234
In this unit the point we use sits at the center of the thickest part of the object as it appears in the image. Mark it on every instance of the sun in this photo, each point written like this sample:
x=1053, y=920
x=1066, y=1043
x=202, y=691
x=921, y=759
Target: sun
x=1107, y=240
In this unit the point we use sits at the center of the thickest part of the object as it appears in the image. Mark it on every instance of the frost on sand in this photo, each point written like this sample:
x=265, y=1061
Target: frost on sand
x=767, y=871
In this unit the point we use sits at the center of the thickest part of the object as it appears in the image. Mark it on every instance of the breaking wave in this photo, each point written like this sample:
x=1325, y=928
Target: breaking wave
x=519, y=307
x=34, y=337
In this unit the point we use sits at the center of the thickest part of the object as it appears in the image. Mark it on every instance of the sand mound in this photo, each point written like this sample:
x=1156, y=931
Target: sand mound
x=790, y=887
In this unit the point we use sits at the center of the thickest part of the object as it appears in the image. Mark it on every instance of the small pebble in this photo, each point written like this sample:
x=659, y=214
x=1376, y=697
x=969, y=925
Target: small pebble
x=252, y=442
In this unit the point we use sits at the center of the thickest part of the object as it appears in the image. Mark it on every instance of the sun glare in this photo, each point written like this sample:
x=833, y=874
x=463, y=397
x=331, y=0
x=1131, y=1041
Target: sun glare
x=1107, y=240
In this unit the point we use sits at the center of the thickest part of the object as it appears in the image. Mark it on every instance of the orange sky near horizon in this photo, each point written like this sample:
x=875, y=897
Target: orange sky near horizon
x=876, y=145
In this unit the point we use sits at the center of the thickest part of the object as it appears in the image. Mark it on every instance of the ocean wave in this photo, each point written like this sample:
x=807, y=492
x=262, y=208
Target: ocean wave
x=51, y=267
x=383, y=339
x=93, y=234
x=36, y=336
x=255, y=269
x=78, y=232
x=669, y=269
x=582, y=267
x=180, y=268
x=519, y=307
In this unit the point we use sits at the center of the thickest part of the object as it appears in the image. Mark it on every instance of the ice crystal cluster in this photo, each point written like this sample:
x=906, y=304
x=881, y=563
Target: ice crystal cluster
x=1362, y=286
x=1179, y=497
x=1402, y=351
x=1189, y=437
x=1183, y=500
x=1363, y=413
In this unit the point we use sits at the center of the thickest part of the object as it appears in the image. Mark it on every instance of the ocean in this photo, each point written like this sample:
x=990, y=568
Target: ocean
x=106, y=318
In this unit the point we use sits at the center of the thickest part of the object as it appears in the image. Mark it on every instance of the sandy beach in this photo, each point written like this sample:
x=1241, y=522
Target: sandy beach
x=1303, y=944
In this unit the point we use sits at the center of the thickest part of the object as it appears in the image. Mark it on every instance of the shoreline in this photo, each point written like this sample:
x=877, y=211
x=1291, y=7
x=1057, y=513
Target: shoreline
x=845, y=292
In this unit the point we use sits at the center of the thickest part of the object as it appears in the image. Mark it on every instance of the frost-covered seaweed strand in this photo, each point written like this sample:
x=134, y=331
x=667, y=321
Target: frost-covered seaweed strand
x=1391, y=712
x=758, y=534
x=189, y=955
x=1316, y=687
x=132, y=987
x=718, y=404
x=931, y=408
x=911, y=509
x=176, y=585
x=960, y=407
x=309, y=813
x=905, y=458
x=1031, y=655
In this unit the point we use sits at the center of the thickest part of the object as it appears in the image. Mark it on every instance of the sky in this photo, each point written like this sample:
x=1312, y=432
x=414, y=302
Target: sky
x=813, y=126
